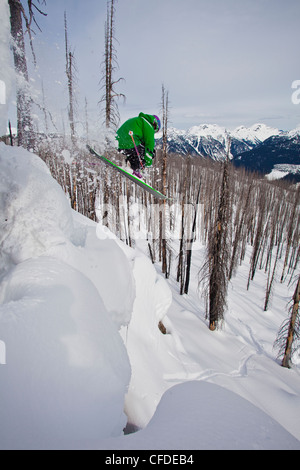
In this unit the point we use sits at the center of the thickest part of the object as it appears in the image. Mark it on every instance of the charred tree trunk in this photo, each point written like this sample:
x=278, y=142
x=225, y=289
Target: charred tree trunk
x=69, y=73
x=110, y=64
x=24, y=120
x=286, y=361
x=238, y=233
x=219, y=256
x=189, y=246
x=165, y=103
x=293, y=221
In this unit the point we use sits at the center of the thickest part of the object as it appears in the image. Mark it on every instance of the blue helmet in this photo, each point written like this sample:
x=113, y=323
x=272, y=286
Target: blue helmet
x=156, y=124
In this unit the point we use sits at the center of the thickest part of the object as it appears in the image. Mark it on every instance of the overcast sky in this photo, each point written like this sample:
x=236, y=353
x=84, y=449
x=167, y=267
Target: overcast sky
x=229, y=62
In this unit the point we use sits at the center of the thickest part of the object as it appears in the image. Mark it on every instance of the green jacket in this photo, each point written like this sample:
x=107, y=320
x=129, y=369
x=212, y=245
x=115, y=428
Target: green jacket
x=143, y=133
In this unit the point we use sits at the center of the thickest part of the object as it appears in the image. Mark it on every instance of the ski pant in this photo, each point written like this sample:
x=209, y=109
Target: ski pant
x=132, y=157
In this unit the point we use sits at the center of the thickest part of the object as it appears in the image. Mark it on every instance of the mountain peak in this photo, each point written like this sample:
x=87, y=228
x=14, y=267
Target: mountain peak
x=256, y=133
x=208, y=130
x=295, y=132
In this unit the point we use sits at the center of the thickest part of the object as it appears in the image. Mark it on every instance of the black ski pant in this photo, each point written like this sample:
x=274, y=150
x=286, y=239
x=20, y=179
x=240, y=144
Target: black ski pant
x=132, y=157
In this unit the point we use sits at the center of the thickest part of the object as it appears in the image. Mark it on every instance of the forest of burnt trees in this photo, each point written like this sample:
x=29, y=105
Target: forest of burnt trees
x=227, y=211
x=255, y=212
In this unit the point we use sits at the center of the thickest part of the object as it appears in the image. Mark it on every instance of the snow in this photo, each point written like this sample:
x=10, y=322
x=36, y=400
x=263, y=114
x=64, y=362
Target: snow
x=294, y=132
x=208, y=130
x=276, y=174
x=67, y=156
x=185, y=420
x=55, y=329
x=153, y=299
x=255, y=133
x=66, y=369
x=81, y=352
x=283, y=169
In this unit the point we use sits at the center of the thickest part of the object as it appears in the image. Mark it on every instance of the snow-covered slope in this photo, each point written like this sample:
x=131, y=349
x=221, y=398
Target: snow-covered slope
x=67, y=287
x=66, y=368
x=80, y=342
x=203, y=416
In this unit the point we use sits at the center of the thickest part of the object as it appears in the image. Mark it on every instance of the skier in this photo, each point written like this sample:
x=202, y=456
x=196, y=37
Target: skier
x=136, y=141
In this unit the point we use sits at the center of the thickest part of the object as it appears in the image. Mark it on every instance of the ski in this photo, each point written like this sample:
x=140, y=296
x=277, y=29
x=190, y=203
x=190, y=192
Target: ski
x=125, y=173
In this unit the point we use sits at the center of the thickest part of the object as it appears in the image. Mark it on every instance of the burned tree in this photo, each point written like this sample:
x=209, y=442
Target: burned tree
x=261, y=225
x=280, y=214
x=190, y=244
x=289, y=334
x=162, y=220
x=291, y=229
x=180, y=265
x=241, y=216
x=110, y=65
x=70, y=67
x=24, y=101
x=218, y=254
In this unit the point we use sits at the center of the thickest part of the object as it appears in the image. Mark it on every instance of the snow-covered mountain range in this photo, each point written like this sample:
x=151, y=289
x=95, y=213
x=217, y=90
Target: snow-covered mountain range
x=211, y=140
x=258, y=147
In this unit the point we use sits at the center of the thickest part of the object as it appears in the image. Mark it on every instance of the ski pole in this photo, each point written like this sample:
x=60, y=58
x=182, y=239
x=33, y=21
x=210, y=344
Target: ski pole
x=131, y=135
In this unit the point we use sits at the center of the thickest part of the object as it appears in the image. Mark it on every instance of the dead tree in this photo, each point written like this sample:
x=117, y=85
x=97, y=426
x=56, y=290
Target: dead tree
x=165, y=112
x=86, y=120
x=10, y=134
x=219, y=253
x=190, y=244
x=180, y=265
x=24, y=101
x=110, y=65
x=291, y=228
x=281, y=215
x=289, y=334
x=239, y=230
x=70, y=67
x=259, y=234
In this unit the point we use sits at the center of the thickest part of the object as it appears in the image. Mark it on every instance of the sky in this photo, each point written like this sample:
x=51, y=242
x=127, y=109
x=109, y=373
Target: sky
x=225, y=62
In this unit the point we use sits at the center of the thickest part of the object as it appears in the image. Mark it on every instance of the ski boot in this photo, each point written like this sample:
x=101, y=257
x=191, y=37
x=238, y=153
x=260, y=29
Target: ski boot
x=137, y=173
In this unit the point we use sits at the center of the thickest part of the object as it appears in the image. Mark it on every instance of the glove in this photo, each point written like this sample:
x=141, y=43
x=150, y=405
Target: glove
x=148, y=159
